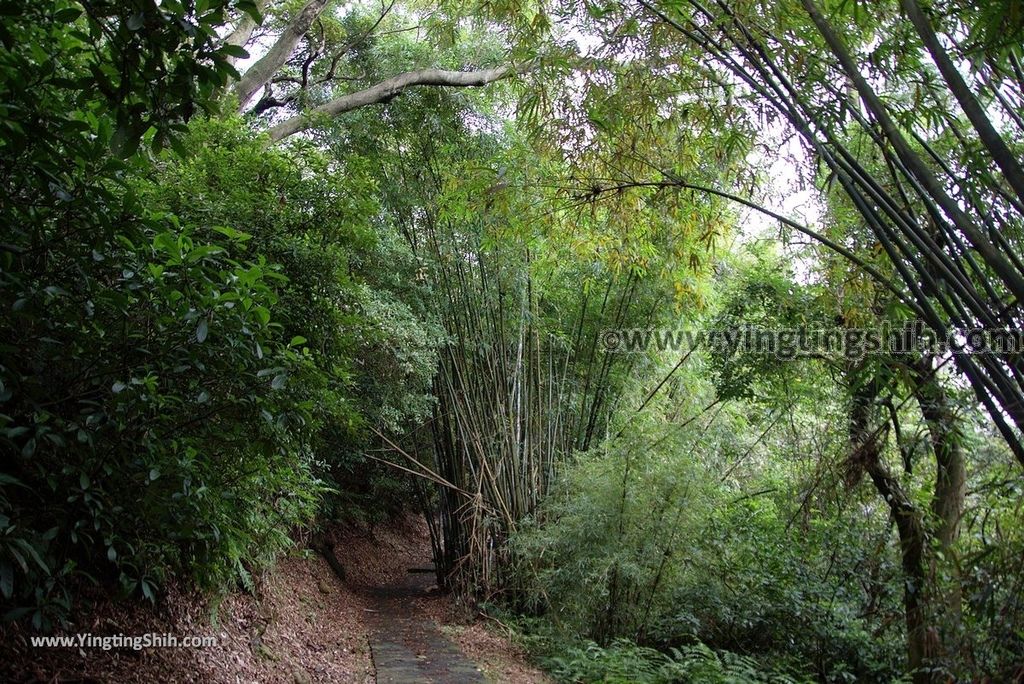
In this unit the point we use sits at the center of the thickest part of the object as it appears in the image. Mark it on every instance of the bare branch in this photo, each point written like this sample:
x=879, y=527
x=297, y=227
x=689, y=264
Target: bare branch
x=385, y=90
x=314, y=53
x=269, y=101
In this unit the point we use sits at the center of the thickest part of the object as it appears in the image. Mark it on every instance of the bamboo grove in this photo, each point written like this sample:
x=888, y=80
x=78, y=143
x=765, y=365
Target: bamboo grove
x=924, y=185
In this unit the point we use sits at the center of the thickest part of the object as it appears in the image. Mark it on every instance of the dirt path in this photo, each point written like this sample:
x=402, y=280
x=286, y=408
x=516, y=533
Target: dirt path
x=417, y=634
x=408, y=647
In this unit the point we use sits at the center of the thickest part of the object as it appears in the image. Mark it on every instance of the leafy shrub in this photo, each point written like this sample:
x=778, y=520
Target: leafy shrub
x=180, y=352
x=142, y=377
x=350, y=293
x=642, y=544
x=624, y=662
x=147, y=401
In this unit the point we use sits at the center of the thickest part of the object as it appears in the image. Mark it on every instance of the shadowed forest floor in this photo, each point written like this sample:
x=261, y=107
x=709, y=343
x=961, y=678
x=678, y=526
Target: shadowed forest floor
x=301, y=624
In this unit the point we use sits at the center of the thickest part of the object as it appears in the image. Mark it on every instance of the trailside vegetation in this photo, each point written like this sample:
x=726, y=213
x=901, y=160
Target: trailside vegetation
x=268, y=265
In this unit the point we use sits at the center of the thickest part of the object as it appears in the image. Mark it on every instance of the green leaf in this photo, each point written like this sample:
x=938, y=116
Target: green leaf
x=204, y=251
x=251, y=8
x=33, y=554
x=18, y=557
x=17, y=613
x=168, y=243
x=67, y=15
x=202, y=330
x=6, y=479
x=235, y=51
x=232, y=233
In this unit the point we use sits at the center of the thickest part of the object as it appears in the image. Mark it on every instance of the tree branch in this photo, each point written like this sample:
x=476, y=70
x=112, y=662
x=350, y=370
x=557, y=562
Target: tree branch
x=264, y=69
x=242, y=33
x=385, y=90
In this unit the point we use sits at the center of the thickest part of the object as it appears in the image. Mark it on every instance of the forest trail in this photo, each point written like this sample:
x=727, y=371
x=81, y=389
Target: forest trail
x=417, y=634
x=405, y=646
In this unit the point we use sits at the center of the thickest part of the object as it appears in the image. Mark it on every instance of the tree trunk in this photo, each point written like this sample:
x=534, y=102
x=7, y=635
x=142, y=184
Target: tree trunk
x=243, y=31
x=867, y=455
x=947, y=443
x=950, y=473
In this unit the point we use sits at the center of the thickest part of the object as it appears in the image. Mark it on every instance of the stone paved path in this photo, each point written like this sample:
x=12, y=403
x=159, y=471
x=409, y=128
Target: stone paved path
x=408, y=649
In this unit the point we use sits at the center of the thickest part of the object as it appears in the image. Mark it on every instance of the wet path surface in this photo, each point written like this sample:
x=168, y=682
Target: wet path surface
x=406, y=647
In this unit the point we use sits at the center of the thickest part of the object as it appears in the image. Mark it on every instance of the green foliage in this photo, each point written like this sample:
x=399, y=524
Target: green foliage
x=121, y=70
x=190, y=343
x=351, y=294
x=625, y=663
x=144, y=418
x=146, y=400
x=350, y=291
x=674, y=535
x=197, y=344
x=760, y=297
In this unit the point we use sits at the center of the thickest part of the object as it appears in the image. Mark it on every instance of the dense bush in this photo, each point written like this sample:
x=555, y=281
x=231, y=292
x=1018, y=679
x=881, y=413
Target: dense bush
x=351, y=293
x=650, y=545
x=191, y=340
